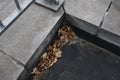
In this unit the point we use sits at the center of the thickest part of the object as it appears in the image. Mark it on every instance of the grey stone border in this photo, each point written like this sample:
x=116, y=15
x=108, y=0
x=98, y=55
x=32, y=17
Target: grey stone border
x=109, y=37
x=35, y=58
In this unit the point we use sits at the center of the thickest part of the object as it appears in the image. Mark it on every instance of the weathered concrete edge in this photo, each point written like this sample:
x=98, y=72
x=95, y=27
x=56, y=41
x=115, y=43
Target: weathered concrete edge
x=109, y=37
x=81, y=24
x=36, y=56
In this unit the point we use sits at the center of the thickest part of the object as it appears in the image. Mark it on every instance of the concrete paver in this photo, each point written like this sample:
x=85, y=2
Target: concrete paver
x=6, y=8
x=91, y=11
x=23, y=37
x=112, y=20
x=9, y=69
x=21, y=1
x=110, y=30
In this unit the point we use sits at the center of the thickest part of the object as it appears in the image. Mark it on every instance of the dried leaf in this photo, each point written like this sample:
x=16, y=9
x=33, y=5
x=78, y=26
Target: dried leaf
x=53, y=52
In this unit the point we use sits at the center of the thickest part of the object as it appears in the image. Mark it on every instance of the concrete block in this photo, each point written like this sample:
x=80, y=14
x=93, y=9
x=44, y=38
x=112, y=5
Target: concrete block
x=91, y=11
x=9, y=69
x=24, y=36
x=110, y=30
x=112, y=19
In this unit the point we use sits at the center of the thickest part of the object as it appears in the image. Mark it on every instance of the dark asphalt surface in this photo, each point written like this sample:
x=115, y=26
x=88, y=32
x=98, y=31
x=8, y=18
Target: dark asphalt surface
x=84, y=61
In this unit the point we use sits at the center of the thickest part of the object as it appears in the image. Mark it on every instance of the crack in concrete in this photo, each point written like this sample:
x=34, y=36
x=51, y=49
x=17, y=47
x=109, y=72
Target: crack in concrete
x=103, y=19
x=105, y=14
x=15, y=61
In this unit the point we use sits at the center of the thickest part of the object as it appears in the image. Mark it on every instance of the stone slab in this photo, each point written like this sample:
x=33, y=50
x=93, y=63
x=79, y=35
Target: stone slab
x=6, y=8
x=91, y=11
x=112, y=20
x=110, y=30
x=9, y=70
x=25, y=35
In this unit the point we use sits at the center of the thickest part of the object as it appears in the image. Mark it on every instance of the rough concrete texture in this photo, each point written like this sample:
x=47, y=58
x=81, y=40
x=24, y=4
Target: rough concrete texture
x=9, y=69
x=91, y=11
x=109, y=37
x=112, y=19
x=6, y=8
x=26, y=34
x=110, y=30
x=21, y=1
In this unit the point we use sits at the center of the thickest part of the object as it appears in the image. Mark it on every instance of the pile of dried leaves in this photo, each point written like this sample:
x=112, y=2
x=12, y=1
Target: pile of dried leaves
x=53, y=51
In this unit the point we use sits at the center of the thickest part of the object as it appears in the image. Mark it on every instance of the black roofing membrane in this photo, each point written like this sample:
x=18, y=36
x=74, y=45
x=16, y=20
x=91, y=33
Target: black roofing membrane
x=82, y=60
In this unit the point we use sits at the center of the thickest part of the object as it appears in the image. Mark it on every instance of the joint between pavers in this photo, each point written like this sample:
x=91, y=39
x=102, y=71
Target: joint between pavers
x=106, y=12
x=63, y=8
x=103, y=19
x=13, y=59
